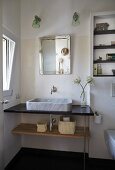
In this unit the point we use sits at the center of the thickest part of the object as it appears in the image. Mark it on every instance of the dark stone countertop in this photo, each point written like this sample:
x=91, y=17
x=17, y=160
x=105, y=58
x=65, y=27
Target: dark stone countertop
x=76, y=110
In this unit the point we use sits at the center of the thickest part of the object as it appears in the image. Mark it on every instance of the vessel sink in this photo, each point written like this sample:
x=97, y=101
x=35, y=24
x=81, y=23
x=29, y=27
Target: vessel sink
x=49, y=104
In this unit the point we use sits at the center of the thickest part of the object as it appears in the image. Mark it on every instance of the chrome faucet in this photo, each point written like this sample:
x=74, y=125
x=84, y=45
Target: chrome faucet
x=52, y=121
x=53, y=89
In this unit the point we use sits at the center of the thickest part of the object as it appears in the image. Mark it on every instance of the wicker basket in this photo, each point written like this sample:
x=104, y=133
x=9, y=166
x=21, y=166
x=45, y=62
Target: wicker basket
x=41, y=127
x=66, y=127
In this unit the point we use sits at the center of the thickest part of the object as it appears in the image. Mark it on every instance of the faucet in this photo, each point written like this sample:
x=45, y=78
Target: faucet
x=52, y=121
x=53, y=89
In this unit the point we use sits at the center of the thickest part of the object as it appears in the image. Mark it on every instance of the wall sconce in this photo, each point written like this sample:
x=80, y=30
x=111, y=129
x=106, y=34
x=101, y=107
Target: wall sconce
x=75, y=20
x=36, y=22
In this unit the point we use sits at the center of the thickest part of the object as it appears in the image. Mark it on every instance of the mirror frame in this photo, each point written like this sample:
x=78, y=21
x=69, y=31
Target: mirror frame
x=65, y=52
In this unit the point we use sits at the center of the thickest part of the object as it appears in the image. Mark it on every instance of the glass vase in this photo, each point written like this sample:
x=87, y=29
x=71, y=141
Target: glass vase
x=83, y=99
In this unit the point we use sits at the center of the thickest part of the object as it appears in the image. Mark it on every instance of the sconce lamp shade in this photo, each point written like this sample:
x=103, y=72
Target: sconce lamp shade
x=36, y=22
x=75, y=20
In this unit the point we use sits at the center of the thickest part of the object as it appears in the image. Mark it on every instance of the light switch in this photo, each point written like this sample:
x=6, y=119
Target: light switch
x=113, y=89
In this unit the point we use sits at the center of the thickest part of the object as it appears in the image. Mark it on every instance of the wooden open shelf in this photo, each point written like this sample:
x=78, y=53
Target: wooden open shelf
x=104, y=47
x=104, y=32
x=104, y=61
x=102, y=75
x=31, y=129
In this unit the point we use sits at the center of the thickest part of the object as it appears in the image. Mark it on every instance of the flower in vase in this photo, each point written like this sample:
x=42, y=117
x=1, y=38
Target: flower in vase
x=77, y=80
x=89, y=80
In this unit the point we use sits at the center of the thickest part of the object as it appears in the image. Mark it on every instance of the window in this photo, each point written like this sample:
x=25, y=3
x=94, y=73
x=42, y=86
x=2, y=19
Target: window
x=8, y=54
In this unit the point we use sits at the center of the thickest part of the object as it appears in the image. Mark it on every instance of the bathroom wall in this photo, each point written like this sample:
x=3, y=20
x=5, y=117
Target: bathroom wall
x=57, y=24
x=11, y=26
x=57, y=20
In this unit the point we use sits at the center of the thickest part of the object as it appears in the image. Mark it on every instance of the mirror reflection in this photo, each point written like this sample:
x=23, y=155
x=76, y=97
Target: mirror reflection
x=55, y=55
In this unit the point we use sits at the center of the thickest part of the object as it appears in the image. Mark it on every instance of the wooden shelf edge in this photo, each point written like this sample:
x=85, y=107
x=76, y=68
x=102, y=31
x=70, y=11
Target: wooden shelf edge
x=104, y=32
x=104, y=61
x=103, y=75
x=104, y=47
x=31, y=129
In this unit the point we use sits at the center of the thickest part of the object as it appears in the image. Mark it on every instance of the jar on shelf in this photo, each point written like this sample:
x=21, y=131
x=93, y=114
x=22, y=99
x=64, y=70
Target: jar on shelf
x=99, y=69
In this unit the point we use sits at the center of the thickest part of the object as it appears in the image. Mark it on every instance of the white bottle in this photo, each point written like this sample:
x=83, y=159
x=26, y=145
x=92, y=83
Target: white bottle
x=99, y=69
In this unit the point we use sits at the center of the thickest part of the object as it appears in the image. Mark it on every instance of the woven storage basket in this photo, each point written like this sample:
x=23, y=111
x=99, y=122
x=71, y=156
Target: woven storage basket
x=41, y=127
x=66, y=127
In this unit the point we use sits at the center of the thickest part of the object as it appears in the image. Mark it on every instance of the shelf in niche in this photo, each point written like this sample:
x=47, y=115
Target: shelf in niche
x=103, y=42
x=104, y=32
x=104, y=61
x=104, y=47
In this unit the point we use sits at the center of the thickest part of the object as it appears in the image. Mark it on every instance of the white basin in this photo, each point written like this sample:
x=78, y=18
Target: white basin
x=49, y=104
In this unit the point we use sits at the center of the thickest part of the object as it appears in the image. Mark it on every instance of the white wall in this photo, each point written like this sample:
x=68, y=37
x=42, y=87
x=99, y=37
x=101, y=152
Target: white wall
x=57, y=20
x=102, y=100
x=103, y=103
x=11, y=26
x=56, y=24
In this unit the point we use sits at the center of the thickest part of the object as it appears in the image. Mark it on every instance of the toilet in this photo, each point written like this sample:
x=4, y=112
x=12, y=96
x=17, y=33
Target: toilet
x=110, y=141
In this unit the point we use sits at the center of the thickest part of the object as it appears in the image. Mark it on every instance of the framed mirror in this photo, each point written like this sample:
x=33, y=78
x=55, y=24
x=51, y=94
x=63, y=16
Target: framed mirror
x=55, y=55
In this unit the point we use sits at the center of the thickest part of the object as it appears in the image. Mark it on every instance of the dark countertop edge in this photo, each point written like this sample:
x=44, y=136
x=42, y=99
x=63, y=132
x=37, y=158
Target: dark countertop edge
x=76, y=110
x=54, y=113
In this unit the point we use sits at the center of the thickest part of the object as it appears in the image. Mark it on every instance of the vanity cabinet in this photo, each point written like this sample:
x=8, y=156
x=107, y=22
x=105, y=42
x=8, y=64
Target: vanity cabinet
x=103, y=44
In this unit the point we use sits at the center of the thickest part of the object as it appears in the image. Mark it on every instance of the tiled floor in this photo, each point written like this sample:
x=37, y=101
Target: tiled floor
x=29, y=159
